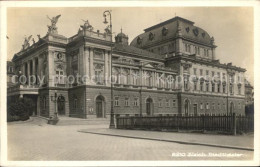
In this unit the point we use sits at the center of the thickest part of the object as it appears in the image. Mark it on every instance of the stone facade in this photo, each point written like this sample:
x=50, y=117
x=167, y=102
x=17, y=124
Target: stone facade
x=145, y=74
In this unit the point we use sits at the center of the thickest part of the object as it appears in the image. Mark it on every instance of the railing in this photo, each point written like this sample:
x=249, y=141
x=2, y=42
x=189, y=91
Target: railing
x=223, y=123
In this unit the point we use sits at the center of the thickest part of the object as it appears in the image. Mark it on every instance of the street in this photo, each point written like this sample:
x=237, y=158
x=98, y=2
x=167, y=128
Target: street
x=39, y=141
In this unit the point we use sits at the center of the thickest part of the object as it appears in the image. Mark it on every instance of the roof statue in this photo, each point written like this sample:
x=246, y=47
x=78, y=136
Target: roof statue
x=26, y=42
x=86, y=25
x=52, y=28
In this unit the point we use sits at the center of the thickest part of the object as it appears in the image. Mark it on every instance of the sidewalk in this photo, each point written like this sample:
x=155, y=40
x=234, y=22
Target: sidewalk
x=225, y=141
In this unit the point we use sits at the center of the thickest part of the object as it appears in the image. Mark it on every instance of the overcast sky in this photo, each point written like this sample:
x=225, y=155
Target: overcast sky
x=232, y=28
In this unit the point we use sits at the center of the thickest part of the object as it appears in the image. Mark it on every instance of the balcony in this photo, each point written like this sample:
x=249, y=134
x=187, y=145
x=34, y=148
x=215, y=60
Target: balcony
x=22, y=89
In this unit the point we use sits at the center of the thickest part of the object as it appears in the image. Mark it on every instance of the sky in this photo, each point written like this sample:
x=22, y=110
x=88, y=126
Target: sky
x=231, y=27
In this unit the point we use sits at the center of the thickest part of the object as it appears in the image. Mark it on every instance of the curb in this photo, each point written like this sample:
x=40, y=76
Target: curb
x=173, y=141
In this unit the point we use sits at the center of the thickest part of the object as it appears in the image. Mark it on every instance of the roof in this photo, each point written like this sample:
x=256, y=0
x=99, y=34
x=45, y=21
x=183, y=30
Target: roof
x=168, y=30
x=133, y=50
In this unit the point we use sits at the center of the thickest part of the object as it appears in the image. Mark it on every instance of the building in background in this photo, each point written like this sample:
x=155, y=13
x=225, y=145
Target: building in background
x=10, y=73
x=169, y=69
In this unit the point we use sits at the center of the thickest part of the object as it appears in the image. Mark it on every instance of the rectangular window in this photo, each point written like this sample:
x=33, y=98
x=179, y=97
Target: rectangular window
x=116, y=102
x=167, y=103
x=213, y=87
x=174, y=103
x=231, y=89
x=201, y=106
x=194, y=71
x=218, y=106
x=213, y=106
x=239, y=90
x=207, y=106
x=126, y=101
x=201, y=72
x=224, y=88
x=212, y=73
x=160, y=102
x=136, y=101
x=218, y=85
x=207, y=72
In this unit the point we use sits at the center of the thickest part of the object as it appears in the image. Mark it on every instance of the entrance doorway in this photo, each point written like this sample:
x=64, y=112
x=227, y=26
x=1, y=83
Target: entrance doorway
x=100, y=106
x=186, y=107
x=195, y=109
x=149, y=106
x=61, y=105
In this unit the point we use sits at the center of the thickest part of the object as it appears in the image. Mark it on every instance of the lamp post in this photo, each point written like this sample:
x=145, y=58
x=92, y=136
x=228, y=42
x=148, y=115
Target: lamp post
x=105, y=14
x=54, y=99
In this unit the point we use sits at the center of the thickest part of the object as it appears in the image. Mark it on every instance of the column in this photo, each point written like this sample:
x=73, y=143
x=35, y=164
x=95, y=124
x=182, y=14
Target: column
x=33, y=69
x=86, y=64
x=28, y=71
x=51, y=72
x=153, y=79
x=23, y=69
x=106, y=67
x=91, y=65
x=181, y=75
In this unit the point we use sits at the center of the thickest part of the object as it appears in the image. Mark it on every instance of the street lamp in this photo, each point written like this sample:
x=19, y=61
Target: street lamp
x=54, y=99
x=105, y=14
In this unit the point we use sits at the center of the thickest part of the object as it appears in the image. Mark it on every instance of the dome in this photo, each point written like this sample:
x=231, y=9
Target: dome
x=168, y=30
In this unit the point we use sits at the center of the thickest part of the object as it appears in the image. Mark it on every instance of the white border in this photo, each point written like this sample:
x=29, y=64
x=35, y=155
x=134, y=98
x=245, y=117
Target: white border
x=3, y=58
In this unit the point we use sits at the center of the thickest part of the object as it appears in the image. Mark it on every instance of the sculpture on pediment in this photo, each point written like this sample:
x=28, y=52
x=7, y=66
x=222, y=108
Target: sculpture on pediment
x=26, y=42
x=86, y=25
x=52, y=28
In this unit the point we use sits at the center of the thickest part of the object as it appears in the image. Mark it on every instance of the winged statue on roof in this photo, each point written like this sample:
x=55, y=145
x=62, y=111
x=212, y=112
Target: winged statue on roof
x=52, y=28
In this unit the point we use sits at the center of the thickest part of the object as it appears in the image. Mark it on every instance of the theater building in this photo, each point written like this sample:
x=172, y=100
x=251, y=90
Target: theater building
x=169, y=69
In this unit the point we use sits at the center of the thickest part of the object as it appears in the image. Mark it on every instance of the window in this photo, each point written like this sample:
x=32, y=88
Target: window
x=126, y=101
x=213, y=73
x=59, y=77
x=231, y=89
x=196, y=50
x=218, y=87
x=224, y=88
x=174, y=103
x=207, y=87
x=201, y=72
x=195, y=85
x=201, y=86
x=207, y=72
x=239, y=105
x=205, y=52
x=116, y=101
x=199, y=50
x=160, y=102
x=136, y=102
x=207, y=106
x=201, y=106
x=219, y=106
x=194, y=71
x=239, y=89
x=213, y=87
x=186, y=83
x=213, y=106
x=167, y=103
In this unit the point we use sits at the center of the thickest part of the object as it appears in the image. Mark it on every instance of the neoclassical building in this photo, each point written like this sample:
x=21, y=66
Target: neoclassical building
x=169, y=69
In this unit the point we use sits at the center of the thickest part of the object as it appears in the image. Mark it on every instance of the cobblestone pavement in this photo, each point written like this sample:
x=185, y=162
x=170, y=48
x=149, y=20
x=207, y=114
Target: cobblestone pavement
x=39, y=141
